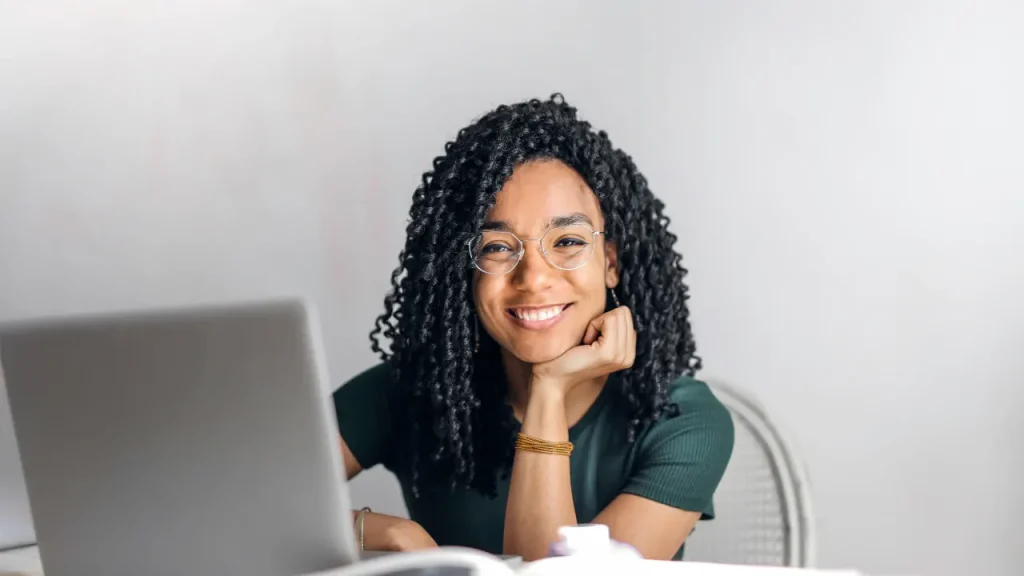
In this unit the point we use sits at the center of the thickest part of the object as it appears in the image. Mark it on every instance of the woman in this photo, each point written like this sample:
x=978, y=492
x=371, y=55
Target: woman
x=540, y=361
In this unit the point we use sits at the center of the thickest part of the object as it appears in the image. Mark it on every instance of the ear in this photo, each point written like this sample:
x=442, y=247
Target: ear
x=611, y=266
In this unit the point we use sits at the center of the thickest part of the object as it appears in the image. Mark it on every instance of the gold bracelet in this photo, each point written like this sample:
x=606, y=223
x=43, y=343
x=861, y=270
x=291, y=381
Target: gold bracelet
x=532, y=444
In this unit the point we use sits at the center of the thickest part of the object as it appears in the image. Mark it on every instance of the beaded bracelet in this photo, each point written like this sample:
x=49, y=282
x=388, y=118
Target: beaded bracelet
x=533, y=444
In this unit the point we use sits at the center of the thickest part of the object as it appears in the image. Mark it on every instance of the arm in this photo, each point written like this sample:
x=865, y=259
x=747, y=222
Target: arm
x=540, y=495
x=680, y=463
x=381, y=531
x=364, y=415
x=352, y=467
x=540, y=498
x=540, y=492
x=682, y=459
x=657, y=531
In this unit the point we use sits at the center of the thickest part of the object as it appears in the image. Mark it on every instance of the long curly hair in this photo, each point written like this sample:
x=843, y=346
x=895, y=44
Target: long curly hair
x=459, y=431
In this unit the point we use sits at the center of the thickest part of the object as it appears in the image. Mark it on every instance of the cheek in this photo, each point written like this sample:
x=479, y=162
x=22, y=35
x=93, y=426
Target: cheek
x=486, y=291
x=591, y=288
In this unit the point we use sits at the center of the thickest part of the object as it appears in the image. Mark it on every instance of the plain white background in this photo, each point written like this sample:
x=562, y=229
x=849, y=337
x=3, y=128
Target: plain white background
x=844, y=177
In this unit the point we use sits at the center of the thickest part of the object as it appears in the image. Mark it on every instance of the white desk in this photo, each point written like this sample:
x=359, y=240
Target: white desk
x=25, y=562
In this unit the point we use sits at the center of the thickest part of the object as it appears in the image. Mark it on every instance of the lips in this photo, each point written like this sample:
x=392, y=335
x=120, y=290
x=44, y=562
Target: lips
x=538, y=317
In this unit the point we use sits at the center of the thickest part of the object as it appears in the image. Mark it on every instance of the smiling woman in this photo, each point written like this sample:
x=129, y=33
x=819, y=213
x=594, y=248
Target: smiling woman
x=540, y=367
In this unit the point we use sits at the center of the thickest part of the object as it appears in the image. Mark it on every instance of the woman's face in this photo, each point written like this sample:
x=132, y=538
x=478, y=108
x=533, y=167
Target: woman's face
x=538, y=311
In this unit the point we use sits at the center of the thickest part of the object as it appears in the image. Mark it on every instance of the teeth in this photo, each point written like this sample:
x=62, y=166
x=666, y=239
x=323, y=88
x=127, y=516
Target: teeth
x=536, y=315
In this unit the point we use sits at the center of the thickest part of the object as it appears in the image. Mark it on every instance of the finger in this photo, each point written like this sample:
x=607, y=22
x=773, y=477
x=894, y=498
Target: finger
x=630, y=330
x=611, y=332
x=631, y=347
x=590, y=336
x=628, y=315
x=596, y=329
x=613, y=329
x=625, y=331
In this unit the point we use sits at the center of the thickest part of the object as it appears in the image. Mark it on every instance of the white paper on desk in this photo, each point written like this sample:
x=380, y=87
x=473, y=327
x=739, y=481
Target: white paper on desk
x=578, y=565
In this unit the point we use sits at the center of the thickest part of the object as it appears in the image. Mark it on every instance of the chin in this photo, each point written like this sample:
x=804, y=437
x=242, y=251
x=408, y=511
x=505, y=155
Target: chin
x=537, y=358
x=539, y=354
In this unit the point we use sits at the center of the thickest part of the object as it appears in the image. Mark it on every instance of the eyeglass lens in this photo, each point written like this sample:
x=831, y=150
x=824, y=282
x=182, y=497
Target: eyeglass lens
x=564, y=247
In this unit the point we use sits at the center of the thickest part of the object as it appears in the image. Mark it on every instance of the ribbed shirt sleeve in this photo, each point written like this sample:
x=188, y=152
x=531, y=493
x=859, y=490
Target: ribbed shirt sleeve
x=364, y=416
x=682, y=459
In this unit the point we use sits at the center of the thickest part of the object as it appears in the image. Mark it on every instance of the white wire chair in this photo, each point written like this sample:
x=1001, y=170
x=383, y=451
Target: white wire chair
x=763, y=509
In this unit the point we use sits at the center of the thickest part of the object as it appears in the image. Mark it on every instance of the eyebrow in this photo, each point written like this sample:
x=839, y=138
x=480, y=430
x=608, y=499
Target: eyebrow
x=566, y=220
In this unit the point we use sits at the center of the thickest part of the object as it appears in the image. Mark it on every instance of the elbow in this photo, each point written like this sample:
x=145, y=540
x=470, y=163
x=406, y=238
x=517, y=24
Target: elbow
x=529, y=552
x=536, y=545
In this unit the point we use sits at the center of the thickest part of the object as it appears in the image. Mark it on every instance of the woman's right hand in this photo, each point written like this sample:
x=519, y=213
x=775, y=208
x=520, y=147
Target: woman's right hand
x=392, y=534
x=609, y=345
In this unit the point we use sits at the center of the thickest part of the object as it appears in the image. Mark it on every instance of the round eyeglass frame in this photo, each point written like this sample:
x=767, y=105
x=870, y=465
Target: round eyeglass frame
x=522, y=249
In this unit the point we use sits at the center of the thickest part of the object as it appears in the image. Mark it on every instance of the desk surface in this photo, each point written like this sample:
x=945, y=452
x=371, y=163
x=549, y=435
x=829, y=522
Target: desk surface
x=25, y=562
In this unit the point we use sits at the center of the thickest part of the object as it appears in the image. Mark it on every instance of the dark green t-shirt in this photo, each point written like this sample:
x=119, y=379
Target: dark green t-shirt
x=677, y=461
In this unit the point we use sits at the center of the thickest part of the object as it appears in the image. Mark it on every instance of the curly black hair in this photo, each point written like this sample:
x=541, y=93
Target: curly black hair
x=459, y=431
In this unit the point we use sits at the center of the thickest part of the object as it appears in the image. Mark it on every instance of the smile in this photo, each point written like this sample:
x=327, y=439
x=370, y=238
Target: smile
x=538, y=318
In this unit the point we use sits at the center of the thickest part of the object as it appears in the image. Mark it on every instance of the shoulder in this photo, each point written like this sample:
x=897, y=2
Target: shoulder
x=702, y=418
x=373, y=389
x=364, y=412
x=698, y=404
x=377, y=377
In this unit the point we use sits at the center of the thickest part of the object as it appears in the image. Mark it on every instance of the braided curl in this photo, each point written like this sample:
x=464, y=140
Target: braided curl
x=459, y=430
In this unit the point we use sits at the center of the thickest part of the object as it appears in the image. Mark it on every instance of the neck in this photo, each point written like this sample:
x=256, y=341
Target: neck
x=577, y=401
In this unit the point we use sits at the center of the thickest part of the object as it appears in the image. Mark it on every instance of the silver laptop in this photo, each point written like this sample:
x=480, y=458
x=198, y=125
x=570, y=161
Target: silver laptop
x=15, y=519
x=193, y=441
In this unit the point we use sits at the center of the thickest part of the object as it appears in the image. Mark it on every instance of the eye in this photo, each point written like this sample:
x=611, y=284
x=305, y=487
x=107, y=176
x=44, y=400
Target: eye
x=568, y=242
x=495, y=248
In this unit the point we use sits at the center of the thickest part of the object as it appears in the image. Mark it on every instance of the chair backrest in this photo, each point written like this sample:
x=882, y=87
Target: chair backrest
x=763, y=508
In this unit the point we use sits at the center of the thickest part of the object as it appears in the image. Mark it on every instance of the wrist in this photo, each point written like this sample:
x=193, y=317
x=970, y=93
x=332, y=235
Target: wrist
x=359, y=517
x=545, y=413
x=546, y=391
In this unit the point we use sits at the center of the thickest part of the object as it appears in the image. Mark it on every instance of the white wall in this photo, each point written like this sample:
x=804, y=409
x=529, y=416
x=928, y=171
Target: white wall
x=844, y=177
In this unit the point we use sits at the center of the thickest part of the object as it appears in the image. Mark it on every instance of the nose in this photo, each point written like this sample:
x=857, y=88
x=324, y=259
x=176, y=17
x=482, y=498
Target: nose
x=533, y=273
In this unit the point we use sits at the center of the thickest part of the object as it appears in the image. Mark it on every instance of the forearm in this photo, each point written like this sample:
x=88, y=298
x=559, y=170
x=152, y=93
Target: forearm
x=540, y=493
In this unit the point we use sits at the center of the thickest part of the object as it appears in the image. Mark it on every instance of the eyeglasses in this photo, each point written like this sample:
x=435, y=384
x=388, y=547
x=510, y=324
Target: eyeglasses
x=564, y=247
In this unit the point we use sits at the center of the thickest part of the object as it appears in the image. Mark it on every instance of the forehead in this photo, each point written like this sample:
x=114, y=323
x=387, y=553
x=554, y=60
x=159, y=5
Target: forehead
x=541, y=190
